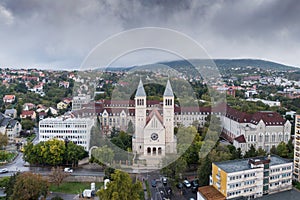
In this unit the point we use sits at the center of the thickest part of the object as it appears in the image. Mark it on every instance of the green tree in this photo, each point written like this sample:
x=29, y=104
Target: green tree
x=9, y=187
x=29, y=186
x=282, y=150
x=74, y=153
x=27, y=124
x=261, y=152
x=3, y=140
x=273, y=150
x=121, y=187
x=174, y=169
x=103, y=155
x=53, y=152
x=251, y=152
x=130, y=128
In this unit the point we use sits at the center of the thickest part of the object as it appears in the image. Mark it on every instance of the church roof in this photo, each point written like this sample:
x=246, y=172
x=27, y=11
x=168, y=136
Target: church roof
x=168, y=91
x=140, y=92
x=157, y=114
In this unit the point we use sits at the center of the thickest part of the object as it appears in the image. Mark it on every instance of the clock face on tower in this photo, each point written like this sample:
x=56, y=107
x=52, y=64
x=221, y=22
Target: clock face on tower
x=154, y=136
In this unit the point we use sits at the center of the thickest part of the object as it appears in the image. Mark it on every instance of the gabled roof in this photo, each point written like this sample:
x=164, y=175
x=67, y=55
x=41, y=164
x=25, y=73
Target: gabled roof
x=140, y=92
x=240, y=139
x=168, y=91
x=153, y=113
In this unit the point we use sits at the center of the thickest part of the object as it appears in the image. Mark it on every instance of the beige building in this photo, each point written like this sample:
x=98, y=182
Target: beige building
x=154, y=133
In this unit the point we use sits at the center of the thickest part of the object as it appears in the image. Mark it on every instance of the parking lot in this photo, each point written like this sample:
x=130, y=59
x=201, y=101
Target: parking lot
x=166, y=191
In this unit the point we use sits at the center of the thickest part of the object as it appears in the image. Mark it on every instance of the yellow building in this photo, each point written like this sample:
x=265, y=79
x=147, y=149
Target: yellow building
x=61, y=105
x=252, y=177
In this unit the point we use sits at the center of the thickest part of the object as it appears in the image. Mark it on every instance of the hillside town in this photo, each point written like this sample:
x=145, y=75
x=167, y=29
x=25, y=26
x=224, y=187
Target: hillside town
x=255, y=130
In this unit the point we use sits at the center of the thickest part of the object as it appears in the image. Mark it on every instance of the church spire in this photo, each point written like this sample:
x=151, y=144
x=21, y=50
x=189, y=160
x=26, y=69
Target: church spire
x=140, y=92
x=168, y=91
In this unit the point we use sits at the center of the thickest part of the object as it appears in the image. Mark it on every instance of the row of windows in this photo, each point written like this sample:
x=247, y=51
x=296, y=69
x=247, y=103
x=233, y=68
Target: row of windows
x=280, y=182
x=280, y=176
x=64, y=131
x=240, y=176
x=62, y=125
x=63, y=137
x=267, y=138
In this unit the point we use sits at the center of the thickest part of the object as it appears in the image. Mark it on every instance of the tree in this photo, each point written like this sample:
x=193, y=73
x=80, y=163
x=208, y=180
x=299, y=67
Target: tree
x=29, y=186
x=121, y=187
x=74, y=153
x=57, y=175
x=3, y=140
x=174, y=169
x=282, y=150
x=103, y=155
x=27, y=124
x=251, y=152
x=273, y=150
x=130, y=128
x=261, y=152
x=9, y=187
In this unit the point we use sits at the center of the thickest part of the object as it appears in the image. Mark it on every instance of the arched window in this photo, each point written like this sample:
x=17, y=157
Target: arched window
x=148, y=150
x=159, y=150
x=154, y=151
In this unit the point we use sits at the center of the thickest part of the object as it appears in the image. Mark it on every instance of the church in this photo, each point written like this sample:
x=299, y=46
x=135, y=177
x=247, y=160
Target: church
x=154, y=128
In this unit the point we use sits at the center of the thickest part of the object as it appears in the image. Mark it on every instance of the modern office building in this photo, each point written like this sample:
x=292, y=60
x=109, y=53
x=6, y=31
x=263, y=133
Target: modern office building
x=77, y=130
x=253, y=177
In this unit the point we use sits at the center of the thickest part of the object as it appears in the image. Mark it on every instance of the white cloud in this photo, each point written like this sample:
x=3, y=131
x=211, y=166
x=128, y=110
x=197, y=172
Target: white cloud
x=6, y=17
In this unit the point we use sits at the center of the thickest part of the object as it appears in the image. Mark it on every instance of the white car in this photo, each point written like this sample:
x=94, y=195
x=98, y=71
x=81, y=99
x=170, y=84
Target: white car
x=4, y=170
x=69, y=170
x=187, y=184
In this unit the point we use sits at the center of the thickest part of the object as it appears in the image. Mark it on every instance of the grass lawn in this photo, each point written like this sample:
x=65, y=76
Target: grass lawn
x=73, y=187
x=6, y=156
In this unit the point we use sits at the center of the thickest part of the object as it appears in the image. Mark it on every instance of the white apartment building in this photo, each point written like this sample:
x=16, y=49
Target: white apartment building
x=77, y=130
x=252, y=178
x=266, y=102
x=297, y=149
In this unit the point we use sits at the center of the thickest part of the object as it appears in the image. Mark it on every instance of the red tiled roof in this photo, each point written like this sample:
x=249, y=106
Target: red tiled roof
x=240, y=139
x=27, y=112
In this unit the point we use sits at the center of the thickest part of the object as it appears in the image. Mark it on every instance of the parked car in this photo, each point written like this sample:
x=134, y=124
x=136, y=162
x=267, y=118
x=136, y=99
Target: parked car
x=68, y=170
x=195, y=185
x=153, y=183
x=179, y=185
x=187, y=184
x=164, y=180
x=4, y=170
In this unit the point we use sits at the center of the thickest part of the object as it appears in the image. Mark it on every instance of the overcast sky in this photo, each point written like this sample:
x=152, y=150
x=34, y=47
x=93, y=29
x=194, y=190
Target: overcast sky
x=60, y=34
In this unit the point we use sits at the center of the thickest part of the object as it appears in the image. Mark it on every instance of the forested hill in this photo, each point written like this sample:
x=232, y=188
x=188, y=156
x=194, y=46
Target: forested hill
x=223, y=64
x=233, y=63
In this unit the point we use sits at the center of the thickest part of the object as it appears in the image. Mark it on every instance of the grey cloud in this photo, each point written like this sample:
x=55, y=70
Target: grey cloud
x=43, y=33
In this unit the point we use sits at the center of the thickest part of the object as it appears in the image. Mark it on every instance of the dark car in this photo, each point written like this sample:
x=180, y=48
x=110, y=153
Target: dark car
x=153, y=183
x=195, y=185
x=179, y=185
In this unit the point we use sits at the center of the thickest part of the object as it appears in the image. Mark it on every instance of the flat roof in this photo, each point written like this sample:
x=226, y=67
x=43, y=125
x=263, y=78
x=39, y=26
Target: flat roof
x=211, y=193
x=242, y=164
x=293, y=194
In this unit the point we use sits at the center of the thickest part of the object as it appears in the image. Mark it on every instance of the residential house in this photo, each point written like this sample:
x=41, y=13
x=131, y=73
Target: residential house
x=9, y=126
x=28, y=114
x=9, y=98
x=11, y=113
